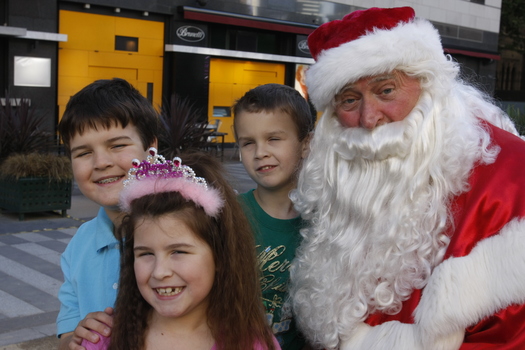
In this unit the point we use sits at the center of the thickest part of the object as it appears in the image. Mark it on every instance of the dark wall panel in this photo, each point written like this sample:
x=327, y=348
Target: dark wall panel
x=189, y=78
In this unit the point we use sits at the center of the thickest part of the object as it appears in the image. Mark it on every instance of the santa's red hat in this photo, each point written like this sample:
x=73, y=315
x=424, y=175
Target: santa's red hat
x=366, y=43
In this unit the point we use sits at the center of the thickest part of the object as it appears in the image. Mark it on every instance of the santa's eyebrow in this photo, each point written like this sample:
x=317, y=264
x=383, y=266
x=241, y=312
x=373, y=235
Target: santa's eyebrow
x=344, y=89
x=382, y=78
x=377, y=79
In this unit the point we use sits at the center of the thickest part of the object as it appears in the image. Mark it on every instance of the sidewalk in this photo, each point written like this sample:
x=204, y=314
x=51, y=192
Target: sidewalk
x=30, y=271
x=30, y=274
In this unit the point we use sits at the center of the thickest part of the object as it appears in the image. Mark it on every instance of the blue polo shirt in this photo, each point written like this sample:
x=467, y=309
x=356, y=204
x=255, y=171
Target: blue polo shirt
x=91, y=264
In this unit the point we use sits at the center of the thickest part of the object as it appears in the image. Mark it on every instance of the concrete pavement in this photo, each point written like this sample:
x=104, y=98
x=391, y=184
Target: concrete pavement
x=30, y=274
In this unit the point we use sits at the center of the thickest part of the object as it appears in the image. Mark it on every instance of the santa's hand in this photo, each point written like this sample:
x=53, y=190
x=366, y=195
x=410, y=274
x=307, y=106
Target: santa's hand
x=396, y=336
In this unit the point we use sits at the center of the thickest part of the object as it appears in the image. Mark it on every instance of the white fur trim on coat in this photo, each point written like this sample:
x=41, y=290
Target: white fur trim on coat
x=378, y=52
x=463, y=291
x=460, y=293
x=395, y=335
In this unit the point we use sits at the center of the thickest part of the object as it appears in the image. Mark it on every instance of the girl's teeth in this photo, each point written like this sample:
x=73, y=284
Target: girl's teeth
x=169, y=291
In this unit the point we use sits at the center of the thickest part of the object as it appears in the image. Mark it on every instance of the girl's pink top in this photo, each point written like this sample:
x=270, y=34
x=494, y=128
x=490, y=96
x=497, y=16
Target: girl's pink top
x=258, y=346
x=103, y=344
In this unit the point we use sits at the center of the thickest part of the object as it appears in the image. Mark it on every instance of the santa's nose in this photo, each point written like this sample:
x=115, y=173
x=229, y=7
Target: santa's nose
x=370, y=115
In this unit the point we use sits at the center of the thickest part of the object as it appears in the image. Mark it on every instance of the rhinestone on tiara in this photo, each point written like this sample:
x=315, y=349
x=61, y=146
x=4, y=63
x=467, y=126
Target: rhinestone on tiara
x=157, y=166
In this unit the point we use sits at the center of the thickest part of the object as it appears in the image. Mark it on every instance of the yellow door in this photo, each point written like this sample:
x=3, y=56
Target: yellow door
x=90, y=54
x=231, y=79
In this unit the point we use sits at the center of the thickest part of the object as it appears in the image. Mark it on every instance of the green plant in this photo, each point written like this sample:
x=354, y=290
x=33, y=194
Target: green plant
x=36, y=165
x=25, y=144
x=512, y=26
x=518, y=117
x=22, y=129
x=182, y=127
x=32, y=177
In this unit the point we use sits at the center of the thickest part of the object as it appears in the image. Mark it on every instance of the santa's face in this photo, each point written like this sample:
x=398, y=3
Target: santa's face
x=377, y=100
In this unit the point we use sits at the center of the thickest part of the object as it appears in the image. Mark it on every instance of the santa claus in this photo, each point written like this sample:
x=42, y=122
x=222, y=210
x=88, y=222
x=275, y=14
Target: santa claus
x=415, y=194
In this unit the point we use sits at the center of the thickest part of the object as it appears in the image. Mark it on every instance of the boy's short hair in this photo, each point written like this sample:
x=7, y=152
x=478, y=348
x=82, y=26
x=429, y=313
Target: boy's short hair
x=106, y=103
x=271, y=97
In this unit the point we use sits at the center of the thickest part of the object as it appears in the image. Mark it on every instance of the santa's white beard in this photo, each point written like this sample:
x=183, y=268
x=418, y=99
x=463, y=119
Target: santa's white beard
x=377, y=204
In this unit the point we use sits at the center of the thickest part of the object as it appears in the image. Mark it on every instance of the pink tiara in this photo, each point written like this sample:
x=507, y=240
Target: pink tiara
x=156, y=175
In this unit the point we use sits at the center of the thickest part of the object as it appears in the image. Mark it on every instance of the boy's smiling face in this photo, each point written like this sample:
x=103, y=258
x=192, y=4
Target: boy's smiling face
x=270, y=148
x=101, y=159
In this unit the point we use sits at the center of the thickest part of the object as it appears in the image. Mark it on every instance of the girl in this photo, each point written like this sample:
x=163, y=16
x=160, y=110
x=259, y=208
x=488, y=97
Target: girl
x=188, y=275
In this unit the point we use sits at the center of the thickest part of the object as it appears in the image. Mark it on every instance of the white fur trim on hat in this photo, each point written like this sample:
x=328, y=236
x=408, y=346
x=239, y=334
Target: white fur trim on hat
x=378, y=52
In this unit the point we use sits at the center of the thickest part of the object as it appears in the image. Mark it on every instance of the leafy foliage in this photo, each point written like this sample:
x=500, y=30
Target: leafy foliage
x=512, y=27
x=25, y=144
x=182, y=128
x=518, y=118
x=22, y=130
x=37, y=165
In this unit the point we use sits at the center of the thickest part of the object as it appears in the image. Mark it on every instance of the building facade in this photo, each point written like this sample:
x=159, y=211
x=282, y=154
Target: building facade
x=210, y=51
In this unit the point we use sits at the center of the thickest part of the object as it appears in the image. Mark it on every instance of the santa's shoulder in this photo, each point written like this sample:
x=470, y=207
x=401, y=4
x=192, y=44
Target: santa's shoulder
x=512, y=147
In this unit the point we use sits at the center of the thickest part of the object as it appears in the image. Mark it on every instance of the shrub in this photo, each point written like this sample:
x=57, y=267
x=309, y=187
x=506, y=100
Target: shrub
x=22, y=129
x=182, y=127
x=517, y=117
x=36, y=165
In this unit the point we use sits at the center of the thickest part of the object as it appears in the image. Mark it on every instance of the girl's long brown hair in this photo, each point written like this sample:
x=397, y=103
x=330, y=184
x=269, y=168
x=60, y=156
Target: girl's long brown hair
x=235, y=314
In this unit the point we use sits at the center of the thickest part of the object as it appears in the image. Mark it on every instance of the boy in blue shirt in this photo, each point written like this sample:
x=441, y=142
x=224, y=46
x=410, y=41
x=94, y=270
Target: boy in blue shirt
x=273, y=124
x=105, y=125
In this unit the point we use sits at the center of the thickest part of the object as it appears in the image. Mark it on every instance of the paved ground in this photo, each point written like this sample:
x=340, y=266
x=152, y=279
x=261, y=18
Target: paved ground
x=30, y=273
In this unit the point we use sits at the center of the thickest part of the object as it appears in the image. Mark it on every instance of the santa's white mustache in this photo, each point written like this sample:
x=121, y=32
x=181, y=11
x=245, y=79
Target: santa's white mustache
x=385, y=141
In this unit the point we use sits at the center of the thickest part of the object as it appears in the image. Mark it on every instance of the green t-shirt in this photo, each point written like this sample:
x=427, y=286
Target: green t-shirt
x=276, y=242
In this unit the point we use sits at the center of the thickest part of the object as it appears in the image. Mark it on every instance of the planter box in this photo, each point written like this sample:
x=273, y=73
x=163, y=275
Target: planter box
x=35, y=194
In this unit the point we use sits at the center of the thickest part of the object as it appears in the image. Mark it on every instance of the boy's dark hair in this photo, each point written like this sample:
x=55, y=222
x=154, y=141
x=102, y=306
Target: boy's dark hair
x=106, y=103
x=271, y=97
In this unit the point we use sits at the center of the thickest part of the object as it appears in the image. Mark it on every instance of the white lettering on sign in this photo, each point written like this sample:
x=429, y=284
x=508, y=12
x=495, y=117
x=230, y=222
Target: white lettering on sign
x=303, y=47
x=190, y=33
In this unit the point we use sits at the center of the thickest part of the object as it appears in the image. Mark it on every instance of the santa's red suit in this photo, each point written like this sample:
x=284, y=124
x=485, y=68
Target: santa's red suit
x=481, y=219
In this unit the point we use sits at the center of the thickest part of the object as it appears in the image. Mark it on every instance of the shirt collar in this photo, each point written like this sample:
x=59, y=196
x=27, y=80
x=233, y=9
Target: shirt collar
x=104, y=229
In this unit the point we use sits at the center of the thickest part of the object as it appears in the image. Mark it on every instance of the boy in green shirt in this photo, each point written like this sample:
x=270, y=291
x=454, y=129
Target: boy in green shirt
x=273, y=124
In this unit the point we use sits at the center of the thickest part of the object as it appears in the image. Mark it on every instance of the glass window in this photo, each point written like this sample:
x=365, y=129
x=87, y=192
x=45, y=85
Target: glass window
x=126, y=43
x=32, y=71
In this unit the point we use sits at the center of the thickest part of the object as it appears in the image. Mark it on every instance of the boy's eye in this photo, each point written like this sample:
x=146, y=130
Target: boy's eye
x=80, y=155
x=119, y=146
x=246, y=143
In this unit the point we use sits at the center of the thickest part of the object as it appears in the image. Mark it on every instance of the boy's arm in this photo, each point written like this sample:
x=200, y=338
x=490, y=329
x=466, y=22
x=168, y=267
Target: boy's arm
x=100, y=322
x=71, y=333
x=69, y=314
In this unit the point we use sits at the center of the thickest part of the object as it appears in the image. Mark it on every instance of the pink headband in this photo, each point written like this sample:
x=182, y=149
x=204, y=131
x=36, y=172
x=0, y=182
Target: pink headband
x=157, y=175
